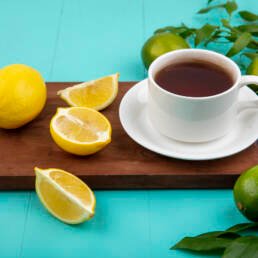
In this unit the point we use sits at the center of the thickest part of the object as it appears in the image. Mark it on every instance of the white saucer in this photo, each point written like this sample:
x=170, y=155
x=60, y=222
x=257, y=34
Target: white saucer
x=132, y=113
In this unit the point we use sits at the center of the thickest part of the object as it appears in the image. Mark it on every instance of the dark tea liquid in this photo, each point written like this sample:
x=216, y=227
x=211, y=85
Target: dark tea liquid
x=194, y=79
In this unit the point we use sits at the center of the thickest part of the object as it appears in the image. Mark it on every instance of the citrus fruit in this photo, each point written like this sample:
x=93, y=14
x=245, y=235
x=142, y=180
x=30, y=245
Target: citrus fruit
x=246, y=193
x=96, y=94
x=22, y=95
x=252, y=69
x=64, y=195
x=160, y=44
x=80, y=130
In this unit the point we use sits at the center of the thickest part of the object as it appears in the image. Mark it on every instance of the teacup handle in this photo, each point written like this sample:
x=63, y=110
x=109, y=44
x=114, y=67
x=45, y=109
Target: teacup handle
x=245, y=80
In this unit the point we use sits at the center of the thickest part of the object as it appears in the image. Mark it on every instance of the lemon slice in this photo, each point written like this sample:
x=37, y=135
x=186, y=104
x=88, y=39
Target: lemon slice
x=64, y=195
x=96, y=94
x=80, y=130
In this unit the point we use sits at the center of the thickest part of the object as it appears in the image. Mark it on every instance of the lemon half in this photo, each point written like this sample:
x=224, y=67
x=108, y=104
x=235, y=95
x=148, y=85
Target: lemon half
x=80, y=130
x=64, y=195
x=96, y=94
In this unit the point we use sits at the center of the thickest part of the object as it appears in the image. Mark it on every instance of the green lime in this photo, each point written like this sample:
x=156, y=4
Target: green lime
x=252, y=69
x=159, y=44
x=246, y=193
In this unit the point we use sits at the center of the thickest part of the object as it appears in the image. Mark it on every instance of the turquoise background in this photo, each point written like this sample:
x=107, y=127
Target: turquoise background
x=81, y=40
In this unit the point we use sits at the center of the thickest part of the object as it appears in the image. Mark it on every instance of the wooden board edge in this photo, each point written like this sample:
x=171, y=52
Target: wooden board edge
x=133, y=182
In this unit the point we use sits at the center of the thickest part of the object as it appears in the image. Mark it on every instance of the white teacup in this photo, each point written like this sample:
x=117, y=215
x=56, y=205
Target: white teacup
x=195, y=119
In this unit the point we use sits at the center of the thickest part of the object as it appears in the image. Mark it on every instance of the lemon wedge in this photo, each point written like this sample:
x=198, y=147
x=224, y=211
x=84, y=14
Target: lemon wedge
x=64, y=195
x=80, y=130
x=96, y=94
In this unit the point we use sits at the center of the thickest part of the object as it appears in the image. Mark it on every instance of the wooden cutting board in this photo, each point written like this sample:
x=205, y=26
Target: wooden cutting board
x=122, y=165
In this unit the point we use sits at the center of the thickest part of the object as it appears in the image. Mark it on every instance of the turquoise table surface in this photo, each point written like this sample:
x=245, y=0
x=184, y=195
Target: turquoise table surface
x=81, y=40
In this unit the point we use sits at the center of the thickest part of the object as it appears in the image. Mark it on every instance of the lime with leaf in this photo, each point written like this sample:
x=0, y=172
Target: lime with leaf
x=159, y=44
x=230, y=242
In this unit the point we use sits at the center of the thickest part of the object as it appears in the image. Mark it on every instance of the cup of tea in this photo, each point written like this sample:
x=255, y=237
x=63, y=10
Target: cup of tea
x=193, y=94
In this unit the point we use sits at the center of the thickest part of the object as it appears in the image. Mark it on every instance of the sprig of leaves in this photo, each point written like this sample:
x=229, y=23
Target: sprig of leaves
x=229, y=241
x=242, y=36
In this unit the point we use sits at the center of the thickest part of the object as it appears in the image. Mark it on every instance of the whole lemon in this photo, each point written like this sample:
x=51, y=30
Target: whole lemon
x=22, y=95
x=160, y=44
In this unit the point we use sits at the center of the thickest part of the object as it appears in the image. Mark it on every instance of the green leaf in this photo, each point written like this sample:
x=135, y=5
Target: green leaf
x=242, y=41
x=246, y=247
x=203, y=243
x=248, y=16
x=218, y=240
x=226, y=24
x=248, y=28
x=231, y=38
x=221, y=234
x=254, y=88
x=183, y=30
x=204, y=33
x=207, y=9
x=225, y=234
x=251, y=55
x=253, y=44
x=252, y=28
x=230, y=7
x=214, y=240
x=165, y=29
x=216, y=35
x=243, y=226
x=209, y=1
x=187, y=33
